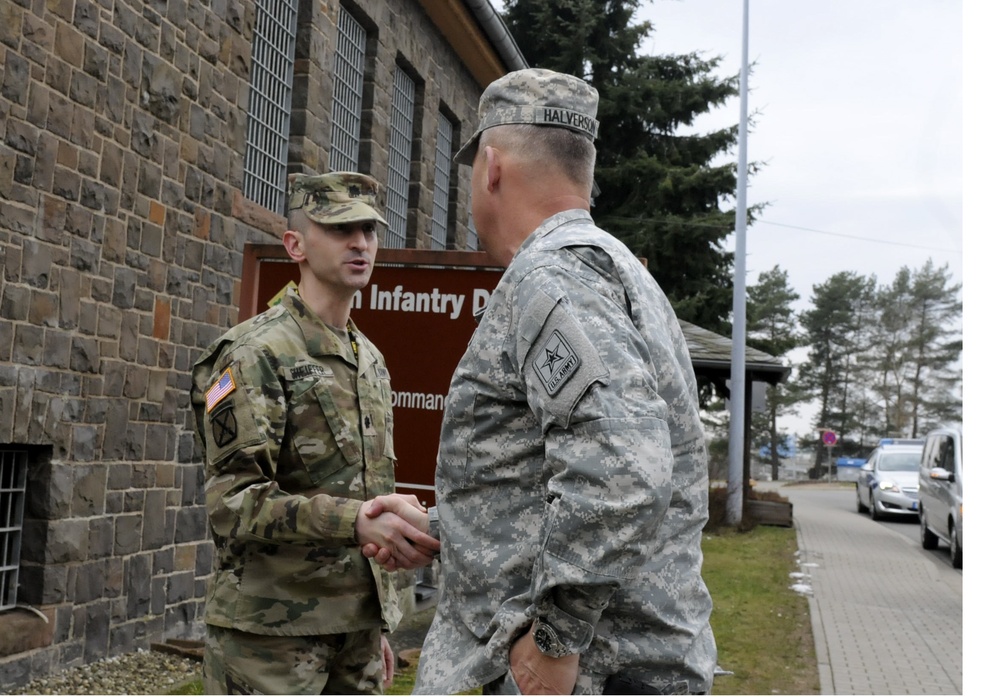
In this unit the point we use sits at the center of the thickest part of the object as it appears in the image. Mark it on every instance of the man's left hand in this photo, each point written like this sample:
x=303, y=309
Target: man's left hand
x=388, y=662
x=538, y=674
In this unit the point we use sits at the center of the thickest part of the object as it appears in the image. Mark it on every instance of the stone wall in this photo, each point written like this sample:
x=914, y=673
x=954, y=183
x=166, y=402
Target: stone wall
x=122, y=137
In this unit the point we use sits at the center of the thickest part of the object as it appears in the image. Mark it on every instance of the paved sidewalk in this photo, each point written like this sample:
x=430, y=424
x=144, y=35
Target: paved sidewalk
x=886, y=614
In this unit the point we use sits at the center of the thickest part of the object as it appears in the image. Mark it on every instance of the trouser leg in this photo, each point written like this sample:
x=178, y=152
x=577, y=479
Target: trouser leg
x=242, y=663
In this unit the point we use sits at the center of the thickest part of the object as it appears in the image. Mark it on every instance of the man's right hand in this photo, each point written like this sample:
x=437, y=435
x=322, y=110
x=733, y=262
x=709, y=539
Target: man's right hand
x=392, y=529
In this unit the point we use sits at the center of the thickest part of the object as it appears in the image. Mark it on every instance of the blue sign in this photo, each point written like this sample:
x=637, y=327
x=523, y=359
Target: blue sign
x=785, y=449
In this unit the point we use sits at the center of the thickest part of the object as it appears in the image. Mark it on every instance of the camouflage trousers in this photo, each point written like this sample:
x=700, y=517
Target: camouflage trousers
x=240, y=663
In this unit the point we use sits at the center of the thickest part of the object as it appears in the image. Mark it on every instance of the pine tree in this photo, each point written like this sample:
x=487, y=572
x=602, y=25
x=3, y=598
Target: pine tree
x=921, y=386
x=772, y=327
x=834, y=333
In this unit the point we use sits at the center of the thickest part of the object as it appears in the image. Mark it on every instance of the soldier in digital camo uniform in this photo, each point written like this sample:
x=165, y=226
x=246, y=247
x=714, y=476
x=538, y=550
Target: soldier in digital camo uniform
x=572, y=481
x=294, y=411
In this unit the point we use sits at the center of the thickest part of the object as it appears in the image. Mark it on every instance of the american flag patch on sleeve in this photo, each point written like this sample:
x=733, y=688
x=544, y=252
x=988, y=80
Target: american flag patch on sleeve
x=217, y=392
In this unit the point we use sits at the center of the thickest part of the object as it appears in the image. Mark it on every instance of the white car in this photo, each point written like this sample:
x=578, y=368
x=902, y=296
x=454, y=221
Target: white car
x=940, y=494
x=887, y=482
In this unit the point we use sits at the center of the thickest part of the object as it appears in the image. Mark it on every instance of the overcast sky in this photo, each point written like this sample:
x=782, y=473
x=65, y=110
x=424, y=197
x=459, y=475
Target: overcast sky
x=857, y=119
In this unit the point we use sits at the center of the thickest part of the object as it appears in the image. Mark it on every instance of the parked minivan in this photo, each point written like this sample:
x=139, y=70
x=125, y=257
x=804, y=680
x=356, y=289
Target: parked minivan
x=940, y=492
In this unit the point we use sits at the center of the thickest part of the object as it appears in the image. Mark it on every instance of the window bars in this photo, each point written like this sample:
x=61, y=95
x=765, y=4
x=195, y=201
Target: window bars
x=400, y=149
x=348, y=84
x=442, y=183
x=13, y=478
x=472, y=239
x=269, y=111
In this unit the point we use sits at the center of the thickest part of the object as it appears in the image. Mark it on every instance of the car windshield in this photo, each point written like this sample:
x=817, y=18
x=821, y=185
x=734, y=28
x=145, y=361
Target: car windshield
x=900, y=462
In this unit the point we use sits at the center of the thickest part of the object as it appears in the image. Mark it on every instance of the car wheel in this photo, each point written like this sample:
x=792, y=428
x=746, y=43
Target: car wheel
x=956, y=549
x=873, y=509
x=928, y=540
x=862, y=508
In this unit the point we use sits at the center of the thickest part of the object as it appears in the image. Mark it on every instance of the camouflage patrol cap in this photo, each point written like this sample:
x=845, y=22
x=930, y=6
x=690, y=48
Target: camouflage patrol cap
x=535, y=96
x=336, y=197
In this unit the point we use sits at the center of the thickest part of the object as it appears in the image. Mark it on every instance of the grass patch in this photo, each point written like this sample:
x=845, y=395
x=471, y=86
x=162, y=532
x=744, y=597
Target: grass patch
x=762, y=628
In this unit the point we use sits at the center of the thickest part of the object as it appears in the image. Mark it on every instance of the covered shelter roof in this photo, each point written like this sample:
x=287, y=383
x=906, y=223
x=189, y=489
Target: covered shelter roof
x=711, y=355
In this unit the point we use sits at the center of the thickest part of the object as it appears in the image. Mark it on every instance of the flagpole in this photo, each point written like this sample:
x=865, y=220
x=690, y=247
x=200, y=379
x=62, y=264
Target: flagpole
x=737, y=380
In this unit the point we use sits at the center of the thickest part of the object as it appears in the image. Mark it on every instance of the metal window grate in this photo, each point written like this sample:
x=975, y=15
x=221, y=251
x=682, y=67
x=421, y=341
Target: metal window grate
x=13, y=478
x=348, y=77
x=269, y=109
x=472, y=239
x=400, y=147
x=442, y=183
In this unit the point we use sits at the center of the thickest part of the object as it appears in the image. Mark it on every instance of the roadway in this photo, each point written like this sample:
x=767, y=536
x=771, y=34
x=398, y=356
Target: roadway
x=886, y=613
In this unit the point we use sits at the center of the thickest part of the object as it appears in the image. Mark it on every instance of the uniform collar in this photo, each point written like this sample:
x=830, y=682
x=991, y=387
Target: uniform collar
x=319, y=339
x=555, y=221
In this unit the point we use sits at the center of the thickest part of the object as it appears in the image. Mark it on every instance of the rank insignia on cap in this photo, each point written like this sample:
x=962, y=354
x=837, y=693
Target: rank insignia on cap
x=556, y=362
x=217, y=392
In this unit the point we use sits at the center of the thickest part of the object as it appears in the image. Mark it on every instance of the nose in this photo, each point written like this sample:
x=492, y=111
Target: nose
x=358, y=239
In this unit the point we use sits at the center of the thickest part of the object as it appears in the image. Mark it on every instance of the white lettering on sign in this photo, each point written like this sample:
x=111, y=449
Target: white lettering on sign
x=401, y=300
x=417, y=400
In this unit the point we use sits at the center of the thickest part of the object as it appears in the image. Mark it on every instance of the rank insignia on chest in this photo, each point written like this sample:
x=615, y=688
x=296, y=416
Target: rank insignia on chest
x=556, y=362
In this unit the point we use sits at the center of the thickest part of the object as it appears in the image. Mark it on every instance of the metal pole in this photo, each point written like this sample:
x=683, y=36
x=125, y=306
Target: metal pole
x=737, y=380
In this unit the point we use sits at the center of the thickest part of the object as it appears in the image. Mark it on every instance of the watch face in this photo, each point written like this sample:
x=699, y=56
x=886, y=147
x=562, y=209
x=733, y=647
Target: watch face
x=544, y=638
x=547, y=641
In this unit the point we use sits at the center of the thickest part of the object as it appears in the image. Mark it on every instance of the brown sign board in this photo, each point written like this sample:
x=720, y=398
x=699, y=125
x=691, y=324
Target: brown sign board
x=419, y=311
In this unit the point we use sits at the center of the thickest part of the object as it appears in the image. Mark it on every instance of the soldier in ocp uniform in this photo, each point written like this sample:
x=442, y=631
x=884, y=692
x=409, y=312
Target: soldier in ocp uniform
x=294, y=411
x=572, y=480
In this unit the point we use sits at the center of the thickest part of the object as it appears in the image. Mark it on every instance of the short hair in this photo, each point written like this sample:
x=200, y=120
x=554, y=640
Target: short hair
x=572, y=153
x=298, y=220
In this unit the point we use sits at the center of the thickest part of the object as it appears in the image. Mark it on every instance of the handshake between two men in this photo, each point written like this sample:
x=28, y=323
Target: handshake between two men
x=395, y=531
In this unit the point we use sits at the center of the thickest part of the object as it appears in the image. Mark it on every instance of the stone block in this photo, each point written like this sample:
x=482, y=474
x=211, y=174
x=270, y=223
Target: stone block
x=192, y=524
x=137, y=573
x=89, y=582
x=128, y=534
x=154, y=520
x=67, y=541
x=102, y=537
x=90, y=486
x=42, y=584
x=98, y=631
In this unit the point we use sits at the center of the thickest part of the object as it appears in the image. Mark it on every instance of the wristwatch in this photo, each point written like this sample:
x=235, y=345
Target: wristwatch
x=547, y=640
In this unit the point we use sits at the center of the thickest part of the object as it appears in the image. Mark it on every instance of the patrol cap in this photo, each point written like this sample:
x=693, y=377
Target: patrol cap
x=336, y=197
x=535, y=96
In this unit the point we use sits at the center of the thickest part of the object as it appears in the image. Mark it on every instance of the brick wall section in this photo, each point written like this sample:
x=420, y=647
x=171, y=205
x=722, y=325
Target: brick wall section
x=122, y=137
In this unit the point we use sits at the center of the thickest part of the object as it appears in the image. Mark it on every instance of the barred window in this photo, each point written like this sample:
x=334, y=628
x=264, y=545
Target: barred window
x=472, y=238
x=442, y=182
x=348, y=84
x=265, y=173
x=13, y=478
x=400, y=149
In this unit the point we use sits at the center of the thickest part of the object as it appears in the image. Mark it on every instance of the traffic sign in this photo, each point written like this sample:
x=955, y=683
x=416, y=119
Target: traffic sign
x=829, y=438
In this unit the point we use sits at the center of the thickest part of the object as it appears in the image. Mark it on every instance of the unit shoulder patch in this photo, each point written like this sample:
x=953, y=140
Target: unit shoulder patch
x=556, y=363
x=224, y=426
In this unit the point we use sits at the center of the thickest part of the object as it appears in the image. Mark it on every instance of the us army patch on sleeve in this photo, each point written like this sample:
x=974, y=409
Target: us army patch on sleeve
x=556, y=362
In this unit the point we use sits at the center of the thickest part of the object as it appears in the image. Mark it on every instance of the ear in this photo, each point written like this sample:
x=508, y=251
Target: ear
x=294, y=245
x=493, y=168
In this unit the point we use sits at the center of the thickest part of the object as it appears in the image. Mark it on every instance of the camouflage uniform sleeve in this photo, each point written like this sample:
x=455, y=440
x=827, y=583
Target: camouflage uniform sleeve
x=607, y=444
x=242, y=433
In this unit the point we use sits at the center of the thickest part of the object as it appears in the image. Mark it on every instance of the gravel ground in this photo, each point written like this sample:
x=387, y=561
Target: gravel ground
x=138, y=673
x=157, y=672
